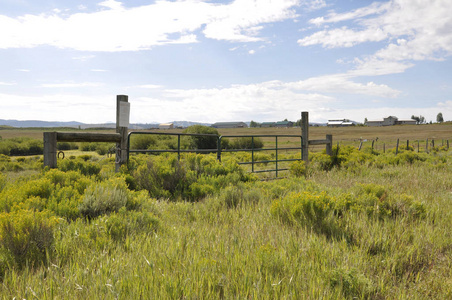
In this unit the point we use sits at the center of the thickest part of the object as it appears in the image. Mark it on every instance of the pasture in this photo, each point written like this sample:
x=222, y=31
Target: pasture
x=361, y=224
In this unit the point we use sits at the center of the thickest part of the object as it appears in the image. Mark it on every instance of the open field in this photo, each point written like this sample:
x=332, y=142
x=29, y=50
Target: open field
x=359, y=225
x=343, y=135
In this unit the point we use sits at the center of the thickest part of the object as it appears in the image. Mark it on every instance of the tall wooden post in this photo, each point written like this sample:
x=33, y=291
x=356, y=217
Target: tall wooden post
x=122, y=123
x=397, y=147
x=50, y=149
x=329, y=144
x=305, y=136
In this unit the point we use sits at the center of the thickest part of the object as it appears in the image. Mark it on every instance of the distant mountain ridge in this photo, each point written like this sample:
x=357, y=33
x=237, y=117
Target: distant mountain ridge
x=50, y=124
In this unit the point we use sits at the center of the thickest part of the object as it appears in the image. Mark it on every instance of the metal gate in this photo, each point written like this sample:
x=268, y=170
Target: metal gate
x=219, y=149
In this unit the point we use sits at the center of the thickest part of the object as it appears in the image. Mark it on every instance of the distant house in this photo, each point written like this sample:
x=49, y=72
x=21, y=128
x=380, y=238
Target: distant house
x=340, y=123
x=229, y=125
x=284, y=124
x=166, y=126
x=390, y=121
x=268, y=124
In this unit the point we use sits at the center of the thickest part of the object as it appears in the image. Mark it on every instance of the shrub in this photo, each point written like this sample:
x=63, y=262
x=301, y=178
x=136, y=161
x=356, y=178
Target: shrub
x=142, y=141
x=352, y=284
x=103, y=198
x=2, y=181
x=26, y=237
x=298, y=168
x=246, y=143
x=121, y=224
x=201, y=142
x=163, y=177
x=80, y=164
x=67, y=146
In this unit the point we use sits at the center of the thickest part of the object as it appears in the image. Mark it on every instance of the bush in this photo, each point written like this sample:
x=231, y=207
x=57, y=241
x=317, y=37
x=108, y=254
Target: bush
x=21, y=146
x=26, y=237
x=246, y=143
x=80, y=164
x=163, y=177
x=103, y=198
x=143, y=142
x=298, y=168
x=201, y=142
x=122, y=224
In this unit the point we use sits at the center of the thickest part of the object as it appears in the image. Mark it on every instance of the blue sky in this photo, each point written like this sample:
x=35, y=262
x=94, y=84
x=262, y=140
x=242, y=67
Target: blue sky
x=209, y=61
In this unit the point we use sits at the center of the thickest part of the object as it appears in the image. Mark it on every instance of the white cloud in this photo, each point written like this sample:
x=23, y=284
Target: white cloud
x=252, y=52
x=240, y=21
x=149, y=86
x=71, y=85
x=84, y=57
x=342, y=83
x=112, y=4
x=413, y=30
x=7, y=83
x=343, y=37
x=115, y=28
x=58, y=107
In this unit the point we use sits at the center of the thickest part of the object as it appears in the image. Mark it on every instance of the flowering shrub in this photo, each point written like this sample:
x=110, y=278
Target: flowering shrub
x=26, y=237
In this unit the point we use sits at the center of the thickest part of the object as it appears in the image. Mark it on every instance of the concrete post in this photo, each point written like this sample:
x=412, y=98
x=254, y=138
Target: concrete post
x=121, y=147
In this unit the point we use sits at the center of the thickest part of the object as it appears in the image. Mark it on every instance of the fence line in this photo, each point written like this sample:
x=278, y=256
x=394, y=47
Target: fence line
x=416, y=145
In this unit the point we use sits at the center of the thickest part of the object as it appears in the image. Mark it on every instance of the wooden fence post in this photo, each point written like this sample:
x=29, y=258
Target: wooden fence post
x=122, y=123
x=305, y=136
x=50, y=149
x=397, y=147
x=407, y=144
x=329, y=144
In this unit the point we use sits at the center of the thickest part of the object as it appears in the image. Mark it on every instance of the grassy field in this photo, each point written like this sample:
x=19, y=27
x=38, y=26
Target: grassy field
x=360, y=225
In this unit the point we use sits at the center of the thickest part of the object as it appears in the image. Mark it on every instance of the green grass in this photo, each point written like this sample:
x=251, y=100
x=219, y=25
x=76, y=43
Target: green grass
x=234, y=244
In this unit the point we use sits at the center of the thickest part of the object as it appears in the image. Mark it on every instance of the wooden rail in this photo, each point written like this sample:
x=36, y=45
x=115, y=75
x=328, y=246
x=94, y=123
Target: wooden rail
x=120, y=138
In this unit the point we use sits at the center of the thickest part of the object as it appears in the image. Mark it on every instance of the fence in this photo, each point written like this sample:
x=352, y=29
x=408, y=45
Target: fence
x=219, y=149
x=52, y=138
x=416, y=145
x=122, y=140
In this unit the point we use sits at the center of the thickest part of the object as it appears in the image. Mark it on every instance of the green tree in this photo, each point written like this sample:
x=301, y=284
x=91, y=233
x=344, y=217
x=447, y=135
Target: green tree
x=206, y=141
x=439, y=118
x=419, y=119
x=254, y=124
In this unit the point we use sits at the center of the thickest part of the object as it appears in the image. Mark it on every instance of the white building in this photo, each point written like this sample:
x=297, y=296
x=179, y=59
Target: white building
x=390, y=121
x=166, y=126
x=340, y=123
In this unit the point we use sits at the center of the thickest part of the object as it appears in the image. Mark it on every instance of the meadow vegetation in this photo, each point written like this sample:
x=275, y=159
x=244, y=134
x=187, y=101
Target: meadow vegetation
x=358, y=224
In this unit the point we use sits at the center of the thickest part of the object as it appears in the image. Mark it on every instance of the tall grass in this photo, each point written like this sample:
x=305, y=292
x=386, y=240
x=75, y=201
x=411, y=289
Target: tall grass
x=368, y=228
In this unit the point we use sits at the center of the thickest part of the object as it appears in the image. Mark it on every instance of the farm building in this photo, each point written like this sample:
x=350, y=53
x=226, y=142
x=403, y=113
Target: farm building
x=229, y=125
x=166, y=126
x=340, y=123
x=390, y=121
x=284, y=124
x=268, y=124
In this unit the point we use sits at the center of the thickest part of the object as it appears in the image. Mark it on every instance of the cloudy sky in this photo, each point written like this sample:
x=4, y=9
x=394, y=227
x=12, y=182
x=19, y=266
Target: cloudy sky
x=219, y=60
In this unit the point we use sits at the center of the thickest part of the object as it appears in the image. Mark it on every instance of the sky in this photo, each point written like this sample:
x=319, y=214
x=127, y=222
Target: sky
x=216, y=60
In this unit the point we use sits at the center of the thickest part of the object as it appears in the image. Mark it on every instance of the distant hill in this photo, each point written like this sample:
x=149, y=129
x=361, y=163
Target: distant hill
x=37, y=123
x=74, y=124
